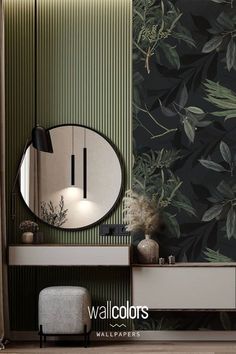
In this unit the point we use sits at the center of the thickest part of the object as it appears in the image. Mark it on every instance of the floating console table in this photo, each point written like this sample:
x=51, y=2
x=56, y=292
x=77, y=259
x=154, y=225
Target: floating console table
x=68, y=255
x=185, y=286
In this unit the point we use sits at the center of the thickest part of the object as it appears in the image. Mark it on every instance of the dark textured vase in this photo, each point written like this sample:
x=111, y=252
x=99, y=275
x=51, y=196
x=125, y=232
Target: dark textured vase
x=148, y=250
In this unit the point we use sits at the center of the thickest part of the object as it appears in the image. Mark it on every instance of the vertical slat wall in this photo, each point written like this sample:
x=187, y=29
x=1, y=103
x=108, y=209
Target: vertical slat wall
x=84, y=70
x=105, y=284
x=84, y=67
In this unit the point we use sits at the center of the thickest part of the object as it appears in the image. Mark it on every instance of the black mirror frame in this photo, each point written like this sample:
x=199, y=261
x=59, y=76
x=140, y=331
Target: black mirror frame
x=120, y=194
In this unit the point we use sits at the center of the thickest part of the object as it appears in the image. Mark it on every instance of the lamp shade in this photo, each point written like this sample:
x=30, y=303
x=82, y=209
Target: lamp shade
x=41, y=139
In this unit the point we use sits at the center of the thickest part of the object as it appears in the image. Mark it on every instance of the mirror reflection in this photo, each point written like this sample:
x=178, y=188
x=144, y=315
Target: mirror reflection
x=78, y=184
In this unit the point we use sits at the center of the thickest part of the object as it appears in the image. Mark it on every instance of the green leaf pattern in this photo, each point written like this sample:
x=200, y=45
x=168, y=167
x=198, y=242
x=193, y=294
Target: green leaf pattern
x=184, y=110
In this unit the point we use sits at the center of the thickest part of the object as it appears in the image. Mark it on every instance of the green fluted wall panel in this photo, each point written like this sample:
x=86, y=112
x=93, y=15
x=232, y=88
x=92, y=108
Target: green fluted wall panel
x=113, y=286
x=84, y=77
x=85, y=69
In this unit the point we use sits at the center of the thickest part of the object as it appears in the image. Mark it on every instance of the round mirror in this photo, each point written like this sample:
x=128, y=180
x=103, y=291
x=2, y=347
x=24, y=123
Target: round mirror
x=78, y=184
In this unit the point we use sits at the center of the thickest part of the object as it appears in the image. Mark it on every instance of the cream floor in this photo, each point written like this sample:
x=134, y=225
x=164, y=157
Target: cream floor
x=124, y=348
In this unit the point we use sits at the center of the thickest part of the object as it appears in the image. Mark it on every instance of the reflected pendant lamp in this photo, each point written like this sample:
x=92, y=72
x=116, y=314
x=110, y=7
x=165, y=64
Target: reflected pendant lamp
x=41, y=139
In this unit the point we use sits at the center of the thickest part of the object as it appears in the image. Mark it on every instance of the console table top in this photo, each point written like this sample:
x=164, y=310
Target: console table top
x=35, y=245
x=188, y=264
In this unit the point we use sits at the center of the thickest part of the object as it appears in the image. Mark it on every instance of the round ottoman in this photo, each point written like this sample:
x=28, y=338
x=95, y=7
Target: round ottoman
x=63, y=310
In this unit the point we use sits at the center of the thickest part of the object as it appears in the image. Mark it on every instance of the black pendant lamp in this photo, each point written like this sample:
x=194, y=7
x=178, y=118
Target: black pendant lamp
x=85, y=167
x=72, y=159
x=41, y=139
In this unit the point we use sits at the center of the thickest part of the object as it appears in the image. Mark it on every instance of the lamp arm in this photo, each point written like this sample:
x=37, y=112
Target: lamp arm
x=13, y=192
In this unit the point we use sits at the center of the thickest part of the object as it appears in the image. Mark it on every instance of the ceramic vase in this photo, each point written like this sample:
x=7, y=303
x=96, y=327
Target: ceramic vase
x=148, y=250
x=27, y=237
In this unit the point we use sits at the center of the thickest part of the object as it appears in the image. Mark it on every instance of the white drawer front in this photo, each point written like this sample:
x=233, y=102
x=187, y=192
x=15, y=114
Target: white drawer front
x=184, y=288
x=69, y=255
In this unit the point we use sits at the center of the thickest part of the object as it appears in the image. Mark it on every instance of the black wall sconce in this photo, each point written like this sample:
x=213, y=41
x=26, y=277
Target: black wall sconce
x=41, y=139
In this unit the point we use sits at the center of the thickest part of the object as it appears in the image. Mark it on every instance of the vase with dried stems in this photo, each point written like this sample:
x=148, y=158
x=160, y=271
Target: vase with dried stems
x=141, y=214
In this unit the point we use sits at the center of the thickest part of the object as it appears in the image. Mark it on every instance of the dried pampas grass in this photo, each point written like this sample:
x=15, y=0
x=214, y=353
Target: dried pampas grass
x=140, y=213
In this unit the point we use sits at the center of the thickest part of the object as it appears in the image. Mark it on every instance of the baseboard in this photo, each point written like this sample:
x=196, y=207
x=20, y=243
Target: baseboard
x=207, y=336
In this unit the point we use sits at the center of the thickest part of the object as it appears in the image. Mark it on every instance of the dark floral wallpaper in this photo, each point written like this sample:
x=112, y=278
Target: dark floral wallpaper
x=184, y=106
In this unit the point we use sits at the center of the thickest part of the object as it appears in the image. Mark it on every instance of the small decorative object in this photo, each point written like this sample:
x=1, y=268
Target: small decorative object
x=148, y=250
x=38, y=237
x=27, y=237
x=29, y=228
x=171, y=259
x=141, y=214
x=161, y=261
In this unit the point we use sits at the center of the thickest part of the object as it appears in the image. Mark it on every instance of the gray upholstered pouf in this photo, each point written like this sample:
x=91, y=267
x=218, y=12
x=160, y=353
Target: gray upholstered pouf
x=64, y=310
